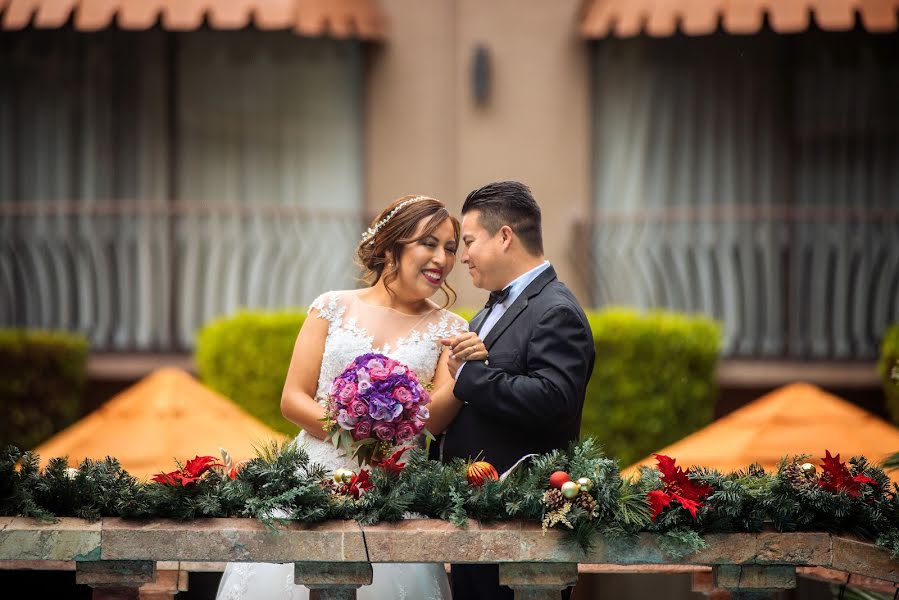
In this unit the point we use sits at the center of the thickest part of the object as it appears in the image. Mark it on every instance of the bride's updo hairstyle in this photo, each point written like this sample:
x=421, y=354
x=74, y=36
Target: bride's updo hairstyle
x=392, y=230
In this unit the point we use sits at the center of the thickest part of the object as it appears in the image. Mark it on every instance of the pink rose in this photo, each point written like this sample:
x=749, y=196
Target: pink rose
x=358, y=408
x=384, y=431
x=402, y=394
x=405, y=432
x=362, y=430
x=425, y=397
x=379, y=373
x=347, y=392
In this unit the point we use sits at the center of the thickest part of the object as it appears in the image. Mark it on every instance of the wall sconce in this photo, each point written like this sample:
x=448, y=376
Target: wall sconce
x=480, y=75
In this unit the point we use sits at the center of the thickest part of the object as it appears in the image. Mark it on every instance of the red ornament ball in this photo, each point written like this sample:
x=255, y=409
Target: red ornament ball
x=558, y=478
x=479, y=472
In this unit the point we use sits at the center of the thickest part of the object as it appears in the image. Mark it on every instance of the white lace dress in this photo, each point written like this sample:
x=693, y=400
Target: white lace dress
x=356, y=328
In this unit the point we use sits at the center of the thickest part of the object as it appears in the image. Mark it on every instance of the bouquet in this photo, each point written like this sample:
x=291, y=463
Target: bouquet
x=376, y=403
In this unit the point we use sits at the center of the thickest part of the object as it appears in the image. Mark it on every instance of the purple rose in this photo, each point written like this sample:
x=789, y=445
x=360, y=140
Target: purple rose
x=423, y=413
x=384, y=431
x=357, y=408
x=346, y=420
x=362, y=430
x=405, y=431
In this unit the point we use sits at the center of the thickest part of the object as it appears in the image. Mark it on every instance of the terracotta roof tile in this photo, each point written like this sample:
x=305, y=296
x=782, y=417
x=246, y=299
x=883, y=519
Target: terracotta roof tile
x=662, y=18
x=168, y=415
x=336, y=18
x=795, y=419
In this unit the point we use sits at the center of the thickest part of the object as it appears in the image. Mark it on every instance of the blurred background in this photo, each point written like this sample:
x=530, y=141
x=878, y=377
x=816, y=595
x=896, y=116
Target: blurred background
x=719, y=181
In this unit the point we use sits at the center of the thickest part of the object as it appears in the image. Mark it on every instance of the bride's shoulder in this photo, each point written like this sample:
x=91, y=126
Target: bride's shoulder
x=332, y=304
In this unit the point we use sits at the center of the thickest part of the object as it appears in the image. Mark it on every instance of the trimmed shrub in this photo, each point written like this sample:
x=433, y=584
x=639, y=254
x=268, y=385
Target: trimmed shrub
x=245, y=357
x=654, y=380
x=889, y=360
x=42, y=377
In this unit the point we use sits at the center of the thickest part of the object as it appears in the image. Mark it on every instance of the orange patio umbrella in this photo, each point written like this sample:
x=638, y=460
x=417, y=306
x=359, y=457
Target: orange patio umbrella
x=168, y=415
x=799, y=418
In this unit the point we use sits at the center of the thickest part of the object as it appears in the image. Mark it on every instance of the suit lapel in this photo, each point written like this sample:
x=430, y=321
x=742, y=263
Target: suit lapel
x=511, y=313
x=519, y=305
x=477, y=321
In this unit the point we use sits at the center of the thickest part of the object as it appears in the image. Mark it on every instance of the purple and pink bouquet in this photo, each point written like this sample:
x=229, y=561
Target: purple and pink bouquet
x=376, y=403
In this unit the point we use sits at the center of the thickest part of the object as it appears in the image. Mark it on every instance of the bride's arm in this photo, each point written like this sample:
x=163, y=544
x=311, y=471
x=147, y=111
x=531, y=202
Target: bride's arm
x=444, y=406
x=298, y=403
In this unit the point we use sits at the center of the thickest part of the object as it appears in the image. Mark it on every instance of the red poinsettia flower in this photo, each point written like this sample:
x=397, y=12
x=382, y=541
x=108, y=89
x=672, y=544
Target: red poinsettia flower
x=360, y=484
x=392, y=464
x=678, y=487
x=191, y=473
x=837, y=477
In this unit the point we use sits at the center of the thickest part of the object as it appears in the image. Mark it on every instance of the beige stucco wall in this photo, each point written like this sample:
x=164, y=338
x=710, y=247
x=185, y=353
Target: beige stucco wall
x=424, y=133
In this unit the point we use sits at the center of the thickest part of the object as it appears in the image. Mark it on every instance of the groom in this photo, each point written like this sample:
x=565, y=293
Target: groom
x=528, y=395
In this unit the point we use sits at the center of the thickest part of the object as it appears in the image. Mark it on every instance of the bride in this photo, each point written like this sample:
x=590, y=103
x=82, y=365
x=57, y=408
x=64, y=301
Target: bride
x=406, y=256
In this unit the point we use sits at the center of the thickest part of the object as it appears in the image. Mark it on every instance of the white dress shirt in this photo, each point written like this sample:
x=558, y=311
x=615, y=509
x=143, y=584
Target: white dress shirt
x=517, y=286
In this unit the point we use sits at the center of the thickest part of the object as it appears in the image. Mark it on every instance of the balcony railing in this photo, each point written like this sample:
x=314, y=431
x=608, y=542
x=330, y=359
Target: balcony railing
x=144, y=275
x=811, y=282
x=119, y=557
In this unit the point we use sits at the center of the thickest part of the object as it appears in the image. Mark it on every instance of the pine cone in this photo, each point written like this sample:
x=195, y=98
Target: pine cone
x=586, y=502
x=553, y=499
x=793, y=473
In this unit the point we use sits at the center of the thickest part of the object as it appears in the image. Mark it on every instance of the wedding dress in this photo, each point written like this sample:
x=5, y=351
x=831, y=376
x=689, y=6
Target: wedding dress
x=354, y=328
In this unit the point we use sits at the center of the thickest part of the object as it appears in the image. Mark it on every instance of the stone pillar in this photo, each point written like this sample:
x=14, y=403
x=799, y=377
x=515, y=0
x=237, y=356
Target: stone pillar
x=704, y=583
x=169, y=581
x=332, y=581
x=115, y=579
x=538, y=581
x=751, y=582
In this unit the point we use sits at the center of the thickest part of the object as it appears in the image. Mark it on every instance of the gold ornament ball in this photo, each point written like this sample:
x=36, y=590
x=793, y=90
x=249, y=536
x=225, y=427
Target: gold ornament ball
x=585, y=484
x=808, y=469
x=342, y=475
x=570, y=489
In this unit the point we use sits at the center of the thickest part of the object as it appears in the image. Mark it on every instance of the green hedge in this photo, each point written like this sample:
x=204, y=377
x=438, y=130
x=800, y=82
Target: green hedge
x=889, y=359
x=654, y=380
x=245, y=357
x=42, y=376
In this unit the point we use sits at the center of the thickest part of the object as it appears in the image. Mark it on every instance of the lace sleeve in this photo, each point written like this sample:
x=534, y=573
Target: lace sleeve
x=328, y=306
x=456, y=324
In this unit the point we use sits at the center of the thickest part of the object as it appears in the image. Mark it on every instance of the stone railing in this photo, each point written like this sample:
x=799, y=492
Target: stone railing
x=131, y=559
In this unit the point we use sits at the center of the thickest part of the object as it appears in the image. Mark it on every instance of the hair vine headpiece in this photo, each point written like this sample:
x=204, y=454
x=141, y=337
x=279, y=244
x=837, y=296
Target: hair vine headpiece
x=371, y=232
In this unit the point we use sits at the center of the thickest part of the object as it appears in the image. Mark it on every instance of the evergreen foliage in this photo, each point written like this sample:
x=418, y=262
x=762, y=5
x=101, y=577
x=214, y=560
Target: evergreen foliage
x=281, y=485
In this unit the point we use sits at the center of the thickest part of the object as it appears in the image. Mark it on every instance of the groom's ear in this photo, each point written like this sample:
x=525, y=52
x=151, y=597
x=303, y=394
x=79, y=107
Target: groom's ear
x=505, y=236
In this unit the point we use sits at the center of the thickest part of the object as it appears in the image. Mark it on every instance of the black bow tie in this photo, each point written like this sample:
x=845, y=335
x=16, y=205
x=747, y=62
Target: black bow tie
x=497, y=297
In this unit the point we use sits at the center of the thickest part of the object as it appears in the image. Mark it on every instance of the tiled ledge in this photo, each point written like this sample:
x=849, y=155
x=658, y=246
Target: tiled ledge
x=338, y=550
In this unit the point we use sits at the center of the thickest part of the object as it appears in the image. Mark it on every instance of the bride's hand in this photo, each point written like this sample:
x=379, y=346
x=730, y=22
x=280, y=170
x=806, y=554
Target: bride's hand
x=466, y=346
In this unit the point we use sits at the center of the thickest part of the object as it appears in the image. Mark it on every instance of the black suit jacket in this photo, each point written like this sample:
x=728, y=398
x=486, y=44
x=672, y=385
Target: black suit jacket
x=527, y=397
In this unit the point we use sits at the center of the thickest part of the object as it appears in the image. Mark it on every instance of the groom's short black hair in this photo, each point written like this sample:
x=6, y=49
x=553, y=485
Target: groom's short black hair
x=508, y=203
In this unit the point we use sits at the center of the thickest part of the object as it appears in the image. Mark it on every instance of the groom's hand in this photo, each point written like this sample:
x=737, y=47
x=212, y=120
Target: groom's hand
x=464, y=347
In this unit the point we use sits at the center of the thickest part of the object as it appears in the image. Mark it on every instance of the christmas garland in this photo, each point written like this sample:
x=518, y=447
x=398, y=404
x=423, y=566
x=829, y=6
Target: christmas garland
x=579, y=491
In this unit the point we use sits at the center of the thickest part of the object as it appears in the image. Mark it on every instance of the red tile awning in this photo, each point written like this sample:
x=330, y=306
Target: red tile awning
x=361, y=19
x=663, y=18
